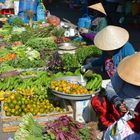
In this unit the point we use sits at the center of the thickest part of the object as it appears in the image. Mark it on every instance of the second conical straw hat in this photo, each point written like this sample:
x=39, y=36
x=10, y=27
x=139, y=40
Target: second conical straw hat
x=111, y=38
x=99, y=7
x=129, y=69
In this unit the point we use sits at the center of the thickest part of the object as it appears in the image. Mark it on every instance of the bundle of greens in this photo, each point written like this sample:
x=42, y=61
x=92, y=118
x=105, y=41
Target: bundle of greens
x=29, y=129
x=70, y=61
x=26, y=57
x=41, y=43
x=17, y=22
x=89, y=51
x=65, y=128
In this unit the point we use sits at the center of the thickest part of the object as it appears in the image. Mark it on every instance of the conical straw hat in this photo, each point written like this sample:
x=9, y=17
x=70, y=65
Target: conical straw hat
x=129, y=69
x=111, y=38
x=99, y=7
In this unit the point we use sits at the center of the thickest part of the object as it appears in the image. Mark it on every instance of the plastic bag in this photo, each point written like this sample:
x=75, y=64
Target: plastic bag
x=27, y=5
x=41, y=15
x=8, y=3
x=120, y=130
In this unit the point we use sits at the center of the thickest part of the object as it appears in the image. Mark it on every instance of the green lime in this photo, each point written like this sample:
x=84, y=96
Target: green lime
x=23, y=113
x=14, y=102
x=5, y=104
x=17, y=107
x=18, y=97
x=19, y=102
x=11, y=106
x=17, y=113
x=26, y=102
x=7, y=113
x=23, y=106
x=42, y=110
x=12, y=111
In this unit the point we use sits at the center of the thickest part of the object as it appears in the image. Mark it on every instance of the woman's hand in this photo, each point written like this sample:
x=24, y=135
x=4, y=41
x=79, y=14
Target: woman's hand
x=123, y=108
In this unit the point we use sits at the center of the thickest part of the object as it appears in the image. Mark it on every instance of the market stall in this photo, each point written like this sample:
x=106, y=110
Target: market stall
x=40, y=75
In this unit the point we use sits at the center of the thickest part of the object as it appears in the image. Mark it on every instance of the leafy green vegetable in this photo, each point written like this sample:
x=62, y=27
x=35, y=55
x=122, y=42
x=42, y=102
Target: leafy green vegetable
x=84, y=52
x=17, y=22
x=29, y=129
x=70, y=61
x=41, y=43
x=15, y=37
x=65, y=128
x=58, y=32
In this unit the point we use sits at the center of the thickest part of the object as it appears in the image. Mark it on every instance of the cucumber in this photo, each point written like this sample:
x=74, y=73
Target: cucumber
x=93, y=82
x=89, y=84
x=99, y=85
x=99, y=81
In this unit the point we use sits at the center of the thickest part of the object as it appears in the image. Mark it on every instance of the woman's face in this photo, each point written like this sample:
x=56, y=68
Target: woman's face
x=109, y=53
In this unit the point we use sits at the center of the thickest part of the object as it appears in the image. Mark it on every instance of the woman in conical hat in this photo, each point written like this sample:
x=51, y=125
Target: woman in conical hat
x=113, y=41
x=98, y=23
x=101, y=18
x=124, y=89
x=122, y=94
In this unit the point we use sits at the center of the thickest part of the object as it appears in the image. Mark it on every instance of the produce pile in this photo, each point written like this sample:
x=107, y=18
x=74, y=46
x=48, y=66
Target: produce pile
x=29, y=129
x=36, y=82
x=66, y=128
x=19, y=103
x=68, y=87
x=63, y=128
x=29, y=92
x=94, y=83
x=26, y=47
x=33, y=56
x=29, y=66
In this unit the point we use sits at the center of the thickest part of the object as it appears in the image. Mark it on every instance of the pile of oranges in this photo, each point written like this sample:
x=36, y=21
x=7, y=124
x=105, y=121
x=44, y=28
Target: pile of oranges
x=68, y=87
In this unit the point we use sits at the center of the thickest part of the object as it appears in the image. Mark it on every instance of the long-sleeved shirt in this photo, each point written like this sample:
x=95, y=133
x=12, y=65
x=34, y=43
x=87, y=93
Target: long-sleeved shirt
x=118, y=90
x=102, y=23
x=126, y=50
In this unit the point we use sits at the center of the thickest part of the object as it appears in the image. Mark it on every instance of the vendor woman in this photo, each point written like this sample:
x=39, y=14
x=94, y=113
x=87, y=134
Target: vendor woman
x=98, y=23
x=122, y=94
x=113, y=41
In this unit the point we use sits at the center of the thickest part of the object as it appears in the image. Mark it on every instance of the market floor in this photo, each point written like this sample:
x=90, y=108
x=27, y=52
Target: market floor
x=62, y=10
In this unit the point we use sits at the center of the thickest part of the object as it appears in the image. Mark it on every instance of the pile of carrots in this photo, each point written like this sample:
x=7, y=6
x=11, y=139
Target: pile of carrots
x=8, y=57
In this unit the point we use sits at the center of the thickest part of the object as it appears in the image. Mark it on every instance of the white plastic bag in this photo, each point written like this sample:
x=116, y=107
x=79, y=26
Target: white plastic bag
x=120, y=130
x=9, y=4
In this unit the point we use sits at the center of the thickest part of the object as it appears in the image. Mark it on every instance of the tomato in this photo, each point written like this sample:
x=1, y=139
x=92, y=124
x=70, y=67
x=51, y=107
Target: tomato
x=53, y=20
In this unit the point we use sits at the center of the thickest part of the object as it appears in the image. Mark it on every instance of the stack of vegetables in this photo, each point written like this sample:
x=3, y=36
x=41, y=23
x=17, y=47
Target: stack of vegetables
x=93, y=84
x=33, y=93
x=37, y=47
x=29, y=129
x=63, y=128
x=21, y=102
x=66, y=128
x=29, y=93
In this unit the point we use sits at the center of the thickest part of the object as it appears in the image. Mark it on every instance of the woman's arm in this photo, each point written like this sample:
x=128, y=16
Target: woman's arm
x=112, y=90
x=129, y=49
